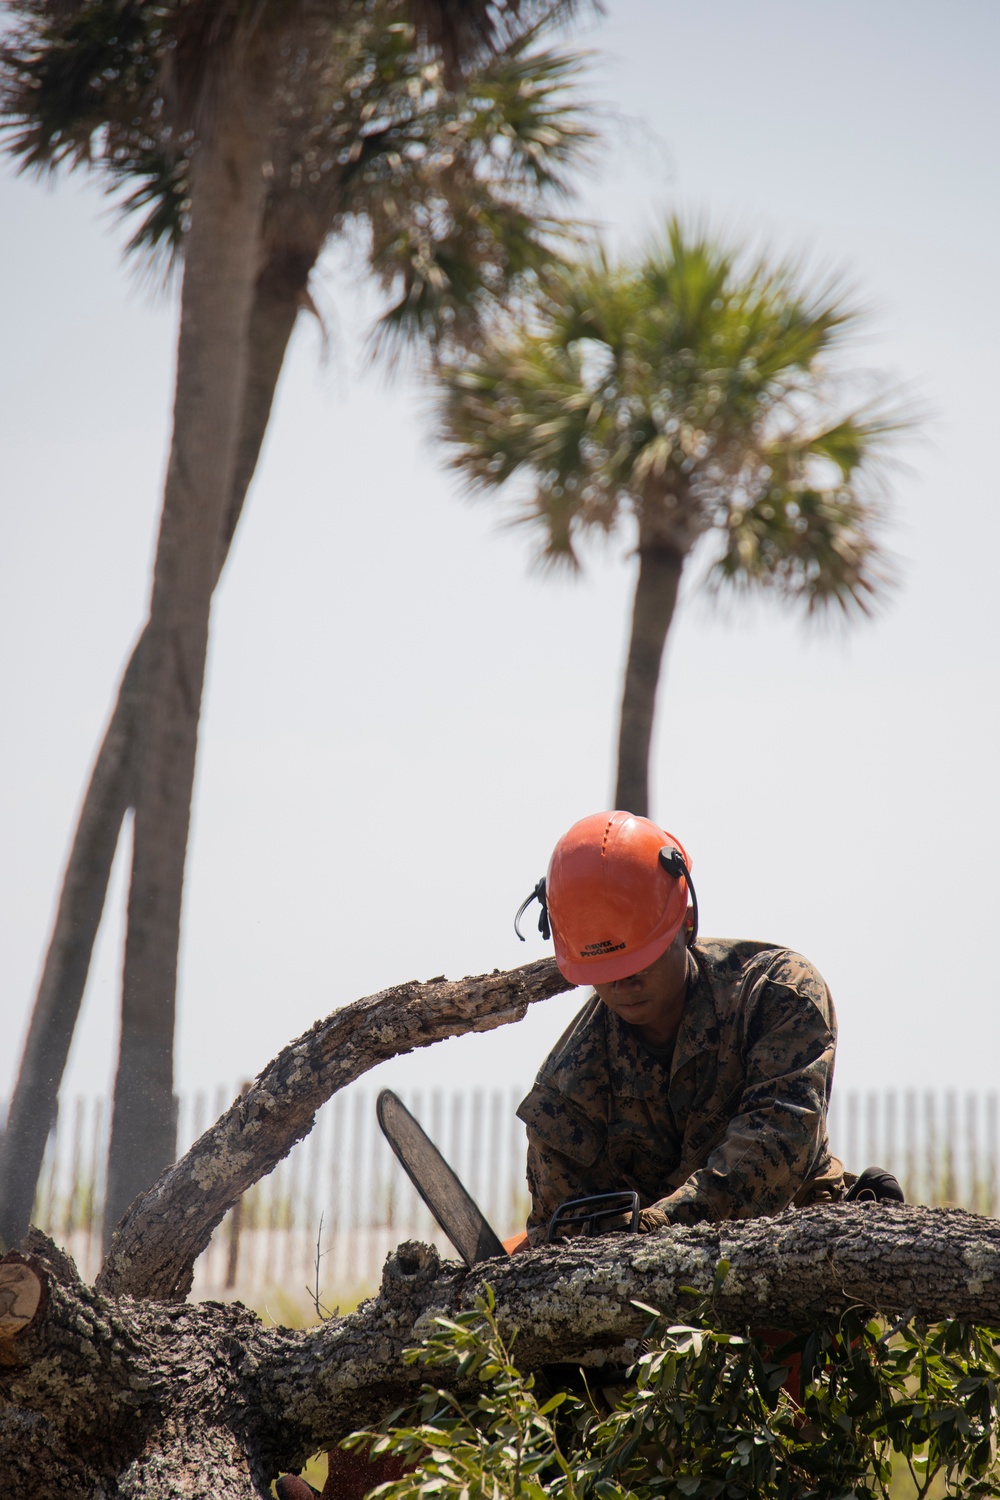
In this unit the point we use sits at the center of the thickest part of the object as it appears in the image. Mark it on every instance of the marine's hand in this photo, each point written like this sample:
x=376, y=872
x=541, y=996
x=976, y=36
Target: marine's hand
x=651, y=1219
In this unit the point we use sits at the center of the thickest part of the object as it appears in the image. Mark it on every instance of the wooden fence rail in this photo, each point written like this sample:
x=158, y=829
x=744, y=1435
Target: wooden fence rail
x=324, y=1221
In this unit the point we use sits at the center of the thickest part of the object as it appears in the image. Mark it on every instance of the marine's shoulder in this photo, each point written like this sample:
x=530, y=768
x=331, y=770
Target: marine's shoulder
x=731, y=962
x=732, y=956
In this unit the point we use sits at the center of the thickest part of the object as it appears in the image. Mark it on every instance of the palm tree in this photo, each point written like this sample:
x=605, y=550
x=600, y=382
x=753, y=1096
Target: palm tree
x=417, y=163
x=688, y=398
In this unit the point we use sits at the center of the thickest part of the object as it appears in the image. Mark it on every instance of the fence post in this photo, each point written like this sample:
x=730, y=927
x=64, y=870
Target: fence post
x=890, y=1102
x=871, y=1130
x=949, y=1188
x=991, y=1152
x=76, y=1169
x=912, y=1183
x=496, y=1170
x=475, y=1152
x=974, y=1193
x=336, y=1178
x=931, y=1156
x=354, y=1213
x=515, y=1177
x=853, y=1164
x=235, y=1223
x=95, y=1199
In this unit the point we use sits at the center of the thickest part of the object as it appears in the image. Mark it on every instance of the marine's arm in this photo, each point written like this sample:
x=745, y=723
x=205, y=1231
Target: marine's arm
x=552, y=1179
x=776, y=1138
x=565, y=1156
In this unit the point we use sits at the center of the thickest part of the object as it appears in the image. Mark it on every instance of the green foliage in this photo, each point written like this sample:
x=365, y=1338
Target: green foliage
x=705, y=1414
x=449, y=180
x=694, y=391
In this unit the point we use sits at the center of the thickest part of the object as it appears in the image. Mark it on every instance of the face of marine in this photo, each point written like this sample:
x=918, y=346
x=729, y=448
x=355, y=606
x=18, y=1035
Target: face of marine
x=653, y=1000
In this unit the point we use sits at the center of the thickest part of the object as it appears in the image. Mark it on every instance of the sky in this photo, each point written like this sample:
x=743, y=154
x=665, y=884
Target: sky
x=402, y=715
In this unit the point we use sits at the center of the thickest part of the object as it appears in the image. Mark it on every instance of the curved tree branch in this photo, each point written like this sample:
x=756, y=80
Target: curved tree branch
x=154, y=1248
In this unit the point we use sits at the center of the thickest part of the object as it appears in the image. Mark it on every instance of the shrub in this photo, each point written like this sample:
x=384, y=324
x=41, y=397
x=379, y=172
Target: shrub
x=884, y=1412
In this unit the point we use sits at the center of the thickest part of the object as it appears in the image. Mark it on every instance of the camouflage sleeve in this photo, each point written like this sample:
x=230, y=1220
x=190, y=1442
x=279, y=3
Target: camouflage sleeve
x=564, y=1145
x=551, y=1181
x=777, y=1135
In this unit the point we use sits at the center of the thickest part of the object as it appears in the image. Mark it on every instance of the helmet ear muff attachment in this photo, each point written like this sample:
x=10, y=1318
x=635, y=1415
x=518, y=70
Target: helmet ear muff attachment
x=672, y=860
x=538, y=894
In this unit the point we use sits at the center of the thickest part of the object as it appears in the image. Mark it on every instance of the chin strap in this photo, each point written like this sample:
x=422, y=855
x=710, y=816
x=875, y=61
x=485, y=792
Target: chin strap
x=672, y=861
x=538, y=894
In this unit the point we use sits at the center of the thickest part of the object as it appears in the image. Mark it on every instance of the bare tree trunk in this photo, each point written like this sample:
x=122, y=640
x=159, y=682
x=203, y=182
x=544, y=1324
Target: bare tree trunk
x=276, y=303
x=660, y=567
x=222, y=260
x=33, y=1106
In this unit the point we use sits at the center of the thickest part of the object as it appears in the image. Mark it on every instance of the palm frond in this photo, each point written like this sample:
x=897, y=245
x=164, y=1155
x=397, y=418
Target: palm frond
x=817, y=547
x=447, y=274
x=454, y=195
x=525, y=109
x=693, y=389
x=451, y=184
x=857, y=437
x=158, y=187
x=468, y=32
x=70, y=73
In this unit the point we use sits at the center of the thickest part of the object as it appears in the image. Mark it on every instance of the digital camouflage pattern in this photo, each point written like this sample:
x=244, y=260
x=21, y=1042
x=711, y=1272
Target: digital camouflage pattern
x=731, y=1126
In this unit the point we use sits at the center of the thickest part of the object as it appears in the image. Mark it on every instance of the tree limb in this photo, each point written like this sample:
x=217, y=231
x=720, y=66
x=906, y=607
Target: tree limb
x=154, y=1248
x=157, y=1399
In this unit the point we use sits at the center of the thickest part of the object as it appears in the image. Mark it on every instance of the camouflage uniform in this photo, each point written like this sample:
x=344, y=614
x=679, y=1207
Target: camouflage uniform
x=731, y=1126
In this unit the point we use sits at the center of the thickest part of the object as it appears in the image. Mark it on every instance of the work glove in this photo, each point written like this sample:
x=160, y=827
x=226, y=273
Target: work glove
x=876, y=1185
x=651, y=1219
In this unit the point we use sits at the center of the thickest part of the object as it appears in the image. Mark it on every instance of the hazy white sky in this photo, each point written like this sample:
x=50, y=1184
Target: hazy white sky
x=401, y=717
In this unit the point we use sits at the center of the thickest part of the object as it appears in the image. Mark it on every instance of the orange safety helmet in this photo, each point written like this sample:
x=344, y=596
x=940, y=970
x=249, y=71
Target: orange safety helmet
x=616, y=895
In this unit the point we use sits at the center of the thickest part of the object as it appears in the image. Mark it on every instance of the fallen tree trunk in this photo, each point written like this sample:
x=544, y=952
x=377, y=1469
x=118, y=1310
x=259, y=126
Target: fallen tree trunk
x=104, y=1394
x=116, y=1396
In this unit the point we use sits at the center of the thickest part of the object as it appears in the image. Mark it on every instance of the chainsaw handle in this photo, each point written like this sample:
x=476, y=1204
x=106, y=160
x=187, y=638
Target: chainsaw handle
x=585, y=1215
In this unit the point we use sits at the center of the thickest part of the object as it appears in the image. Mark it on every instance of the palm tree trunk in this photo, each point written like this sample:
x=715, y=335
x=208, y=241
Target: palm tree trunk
x=33, y=1106
x=660, y=567
x=220, y=272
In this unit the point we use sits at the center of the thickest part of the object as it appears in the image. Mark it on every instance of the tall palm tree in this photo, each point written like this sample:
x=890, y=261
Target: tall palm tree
x=689, y=398
x=350, y=88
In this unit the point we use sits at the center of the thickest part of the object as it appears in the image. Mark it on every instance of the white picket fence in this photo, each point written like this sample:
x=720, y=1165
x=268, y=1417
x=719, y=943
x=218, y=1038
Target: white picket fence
x=325, y=1219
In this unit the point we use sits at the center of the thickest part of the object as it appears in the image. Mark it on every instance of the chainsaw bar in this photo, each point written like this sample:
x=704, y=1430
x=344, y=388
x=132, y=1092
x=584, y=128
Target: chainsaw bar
x=455, y=1210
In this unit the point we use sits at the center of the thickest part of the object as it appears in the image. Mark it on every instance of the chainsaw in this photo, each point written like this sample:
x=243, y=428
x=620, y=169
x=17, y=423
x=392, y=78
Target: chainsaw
x=456, y=1211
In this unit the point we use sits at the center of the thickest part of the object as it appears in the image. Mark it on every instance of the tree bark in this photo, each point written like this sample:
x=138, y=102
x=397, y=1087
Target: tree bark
x=660, y=566
x=153, y=1251
x=142, y=1398
x=222, y=261
x=34, y=1104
